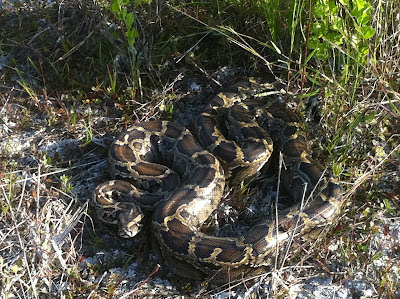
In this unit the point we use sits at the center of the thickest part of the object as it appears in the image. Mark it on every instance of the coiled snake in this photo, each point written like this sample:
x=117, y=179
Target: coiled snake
x=162, y=167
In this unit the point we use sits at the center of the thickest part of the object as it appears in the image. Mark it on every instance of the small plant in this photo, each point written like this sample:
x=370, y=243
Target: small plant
x=89, y=131
x=47, y=160
x=25, y=85
x=118, y=7
x=51, y=119
x=66, y=186
x=343, y=27
x=167, y=110
x=113, y=76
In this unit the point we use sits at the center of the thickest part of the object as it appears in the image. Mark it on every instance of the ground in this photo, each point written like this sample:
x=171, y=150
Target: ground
x=66, y=88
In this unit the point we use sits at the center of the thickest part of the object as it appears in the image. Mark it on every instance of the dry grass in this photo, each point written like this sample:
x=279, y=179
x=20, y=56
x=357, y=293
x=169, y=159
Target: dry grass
x=78, y=89
x=38, y=235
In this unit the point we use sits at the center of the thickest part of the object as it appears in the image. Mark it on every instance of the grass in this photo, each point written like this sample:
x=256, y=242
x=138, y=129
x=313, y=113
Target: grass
x=69, y=74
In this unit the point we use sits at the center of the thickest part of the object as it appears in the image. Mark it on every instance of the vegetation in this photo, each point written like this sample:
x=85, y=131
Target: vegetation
x=76, y=71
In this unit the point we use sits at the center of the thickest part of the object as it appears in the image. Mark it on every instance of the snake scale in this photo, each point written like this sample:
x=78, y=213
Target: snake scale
x=162, y=167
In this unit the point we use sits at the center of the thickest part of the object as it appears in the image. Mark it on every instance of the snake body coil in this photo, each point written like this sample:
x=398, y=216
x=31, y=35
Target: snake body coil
x=184, y=178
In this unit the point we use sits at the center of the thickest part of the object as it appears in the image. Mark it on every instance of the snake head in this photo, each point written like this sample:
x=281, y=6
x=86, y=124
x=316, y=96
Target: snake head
x=130, y=220
x=127, y=215
x=114, y=205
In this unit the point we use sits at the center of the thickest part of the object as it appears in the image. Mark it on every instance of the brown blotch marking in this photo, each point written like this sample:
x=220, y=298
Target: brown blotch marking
x=135, y=135
x=183, y=196
x=170, y=182
x=254, y=151
x=297, y=188
x=167, y=154
x=290, y=130
x=234, y=172
x=290, y=223
x=178, y=236
x=263, y=247
x=260, y=236
x=120, y=153
x=149, y=169
x=312, y=170
x=280, y=111
x=122, y=186
x=174, y=130
x=188, y=145
x=203, y=177
x=241, y=114
x=258, y=233
x=204, y=159
x=206, y=127
x=294, y=147
x=218, y=100
x=226, y=151
x=152, y=126
x=255, y=132
x=316, y=209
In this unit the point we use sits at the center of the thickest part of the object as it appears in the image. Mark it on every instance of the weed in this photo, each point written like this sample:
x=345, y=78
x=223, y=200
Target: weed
x=341, y=23
x=31, y=91
x=88, y=130
x=66, y=185
x=120, y=11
